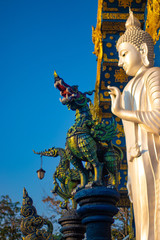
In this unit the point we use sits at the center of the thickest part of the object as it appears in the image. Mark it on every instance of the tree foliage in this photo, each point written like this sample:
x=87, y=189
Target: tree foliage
x=9, y=219
x=122, y=227
x=53, y=204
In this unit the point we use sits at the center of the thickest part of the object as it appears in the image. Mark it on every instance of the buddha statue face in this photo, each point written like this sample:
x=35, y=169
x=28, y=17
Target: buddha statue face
x=135, y=47
x=131, y=59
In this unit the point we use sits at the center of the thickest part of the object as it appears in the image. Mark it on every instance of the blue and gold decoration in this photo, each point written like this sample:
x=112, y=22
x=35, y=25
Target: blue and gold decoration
x=152, y=26
x=111, y=18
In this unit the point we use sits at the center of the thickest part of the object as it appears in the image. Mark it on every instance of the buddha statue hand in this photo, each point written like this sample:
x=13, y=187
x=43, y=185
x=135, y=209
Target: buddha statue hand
x=115, y=95
x=134, y=152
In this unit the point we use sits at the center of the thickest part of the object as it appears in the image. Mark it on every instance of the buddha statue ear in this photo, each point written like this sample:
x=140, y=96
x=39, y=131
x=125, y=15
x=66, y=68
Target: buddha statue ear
x=144, y=54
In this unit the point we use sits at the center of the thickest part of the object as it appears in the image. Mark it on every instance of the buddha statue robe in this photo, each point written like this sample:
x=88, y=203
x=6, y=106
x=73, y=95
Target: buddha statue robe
x=142, y=95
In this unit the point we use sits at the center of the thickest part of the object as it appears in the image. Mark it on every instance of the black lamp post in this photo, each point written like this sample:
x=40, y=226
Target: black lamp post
x=41, y=172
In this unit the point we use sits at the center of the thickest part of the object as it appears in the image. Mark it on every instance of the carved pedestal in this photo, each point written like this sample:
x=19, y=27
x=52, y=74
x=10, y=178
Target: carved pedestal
x=72, y=228
x=97, y=208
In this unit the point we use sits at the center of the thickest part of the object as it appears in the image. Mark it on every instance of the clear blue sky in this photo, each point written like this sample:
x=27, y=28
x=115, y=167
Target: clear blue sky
x=38, y=36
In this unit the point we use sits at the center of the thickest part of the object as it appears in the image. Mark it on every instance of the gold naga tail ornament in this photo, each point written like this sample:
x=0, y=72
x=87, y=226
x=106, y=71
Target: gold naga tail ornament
x=153, y=19
x=32, y=223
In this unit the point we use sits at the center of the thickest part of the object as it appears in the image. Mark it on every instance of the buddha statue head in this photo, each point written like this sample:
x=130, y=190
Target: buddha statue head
x=135, y=47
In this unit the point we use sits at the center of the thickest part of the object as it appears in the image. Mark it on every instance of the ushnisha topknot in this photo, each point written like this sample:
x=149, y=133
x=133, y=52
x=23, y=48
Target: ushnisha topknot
x=132, y=21
x=136, y=36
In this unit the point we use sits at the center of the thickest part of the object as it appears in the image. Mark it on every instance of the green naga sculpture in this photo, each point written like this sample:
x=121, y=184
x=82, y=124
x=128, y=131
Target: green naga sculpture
x=68, y=177
x=32, y=223
x=87, y=141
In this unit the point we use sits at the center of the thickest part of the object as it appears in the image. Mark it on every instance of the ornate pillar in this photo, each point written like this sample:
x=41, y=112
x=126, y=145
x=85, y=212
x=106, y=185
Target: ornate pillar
x=72, y=228
x=97, y=208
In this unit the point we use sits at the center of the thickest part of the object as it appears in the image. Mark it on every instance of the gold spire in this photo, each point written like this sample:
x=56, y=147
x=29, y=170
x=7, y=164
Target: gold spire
x=55, y=74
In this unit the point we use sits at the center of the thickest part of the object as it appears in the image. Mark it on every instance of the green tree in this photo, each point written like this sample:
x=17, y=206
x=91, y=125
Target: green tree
x=53, y=204
x=122, y=227
x=9, y=219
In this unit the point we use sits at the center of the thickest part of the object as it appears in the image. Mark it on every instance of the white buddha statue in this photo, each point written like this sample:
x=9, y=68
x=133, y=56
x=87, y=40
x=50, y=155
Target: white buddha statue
x=139, y=108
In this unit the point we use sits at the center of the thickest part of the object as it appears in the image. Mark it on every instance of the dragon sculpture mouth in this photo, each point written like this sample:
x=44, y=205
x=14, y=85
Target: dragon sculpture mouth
x=66, y=91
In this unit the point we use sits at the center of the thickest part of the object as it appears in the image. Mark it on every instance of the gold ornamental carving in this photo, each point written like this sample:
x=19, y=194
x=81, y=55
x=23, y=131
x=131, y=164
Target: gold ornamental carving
x=124, y=3
x=98, y=51
x=123, y=167
x=153, y=19
x=107, y=9
x=104, y=68
x=110, y=65
x=103, y=87
x=106, y=59
x=120, y=131
x=97, y=33
x=102, y=99
x=107, y=75
x=97, y=40
x=122, y=16
x=109, y=45
x=120, y=76
x=124, y=202
x=142, y=9
x=107, y=115
x=113, y=26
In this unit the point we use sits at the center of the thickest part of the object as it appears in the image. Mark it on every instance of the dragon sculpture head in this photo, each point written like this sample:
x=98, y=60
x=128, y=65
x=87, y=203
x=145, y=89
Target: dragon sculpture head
x=72, y=97
x=51, y=152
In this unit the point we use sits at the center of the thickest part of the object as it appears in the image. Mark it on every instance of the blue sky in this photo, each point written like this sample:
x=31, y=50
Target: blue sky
x=37, y=37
